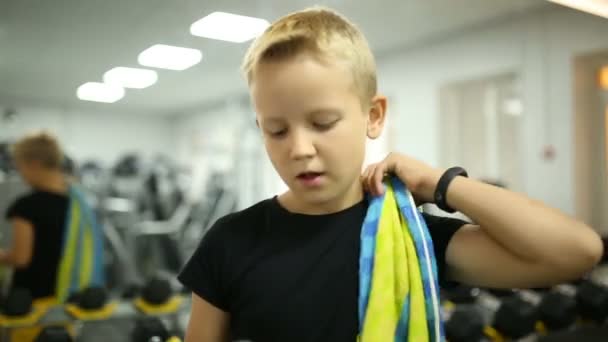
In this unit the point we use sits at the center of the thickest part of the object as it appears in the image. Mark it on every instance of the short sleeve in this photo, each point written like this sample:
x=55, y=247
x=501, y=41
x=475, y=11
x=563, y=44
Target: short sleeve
x=20, y=208
x=204, y=273
x=442, y=229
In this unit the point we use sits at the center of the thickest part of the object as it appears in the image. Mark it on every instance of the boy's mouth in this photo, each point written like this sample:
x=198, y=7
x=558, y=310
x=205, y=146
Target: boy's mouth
x=310, y=179
x=309, y=175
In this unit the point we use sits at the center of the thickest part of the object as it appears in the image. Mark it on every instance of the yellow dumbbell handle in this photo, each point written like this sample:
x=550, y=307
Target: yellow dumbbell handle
x=493, y=334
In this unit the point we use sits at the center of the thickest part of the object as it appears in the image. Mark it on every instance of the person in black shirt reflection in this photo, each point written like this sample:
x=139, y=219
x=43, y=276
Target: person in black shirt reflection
x=39, y=219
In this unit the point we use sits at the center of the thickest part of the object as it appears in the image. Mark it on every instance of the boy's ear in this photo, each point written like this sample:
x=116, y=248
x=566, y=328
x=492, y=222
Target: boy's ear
x=376, y=116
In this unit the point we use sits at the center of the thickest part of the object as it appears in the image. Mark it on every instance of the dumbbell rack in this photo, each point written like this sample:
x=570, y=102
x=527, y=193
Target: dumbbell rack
x=123, y=315
x=486, y=305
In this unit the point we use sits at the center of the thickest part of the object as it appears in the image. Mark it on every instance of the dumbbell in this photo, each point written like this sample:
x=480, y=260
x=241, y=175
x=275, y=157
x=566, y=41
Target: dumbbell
x=592, y=301
x=556, y=308
x=559, y=308
x=462, y=294
x=157, y=298
x=54, y=334
x=465, y=324
x=17, y=303
x=557, y=311
x=515, y=318
x=463, y=321
x=501, y=293
x=90, y=299
x=157, y=291
x=510, y=317
x=149, y=329
x=90, y=304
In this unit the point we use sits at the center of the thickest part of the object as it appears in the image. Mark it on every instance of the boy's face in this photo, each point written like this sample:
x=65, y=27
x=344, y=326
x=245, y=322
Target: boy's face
x=315, y=128
x=28, y=170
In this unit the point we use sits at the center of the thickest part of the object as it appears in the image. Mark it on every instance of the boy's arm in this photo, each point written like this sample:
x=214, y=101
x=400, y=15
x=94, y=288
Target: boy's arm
x=516, y=242
x=207, y=323
x=20, y=253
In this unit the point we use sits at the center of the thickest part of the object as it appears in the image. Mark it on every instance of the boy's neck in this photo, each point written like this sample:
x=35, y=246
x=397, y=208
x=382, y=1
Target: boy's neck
x=295, y=205
x=52, y=181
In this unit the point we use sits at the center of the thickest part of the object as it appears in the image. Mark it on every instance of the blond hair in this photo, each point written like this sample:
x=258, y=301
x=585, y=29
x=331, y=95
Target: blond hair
x=325, y=34
x=42, y=147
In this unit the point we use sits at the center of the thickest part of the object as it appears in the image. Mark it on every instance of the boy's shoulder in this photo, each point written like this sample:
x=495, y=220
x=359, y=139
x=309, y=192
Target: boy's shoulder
x=22, y=204
x=28, y=198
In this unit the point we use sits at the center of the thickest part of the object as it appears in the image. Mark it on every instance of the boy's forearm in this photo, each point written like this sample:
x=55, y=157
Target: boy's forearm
x=525, y=227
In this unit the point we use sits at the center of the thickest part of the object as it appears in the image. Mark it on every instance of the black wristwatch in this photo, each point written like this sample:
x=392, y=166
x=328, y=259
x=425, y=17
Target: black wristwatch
x=442, y=187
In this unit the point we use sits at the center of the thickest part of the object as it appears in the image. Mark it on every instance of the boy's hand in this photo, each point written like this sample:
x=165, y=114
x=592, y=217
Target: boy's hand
x=420, y=178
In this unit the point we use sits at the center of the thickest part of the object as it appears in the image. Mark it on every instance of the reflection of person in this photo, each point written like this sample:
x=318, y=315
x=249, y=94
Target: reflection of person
x=287, y=268
x=52, y=225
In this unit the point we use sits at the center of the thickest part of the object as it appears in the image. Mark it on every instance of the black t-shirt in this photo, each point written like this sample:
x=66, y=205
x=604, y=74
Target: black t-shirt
x=47, y=212
x=289, y=277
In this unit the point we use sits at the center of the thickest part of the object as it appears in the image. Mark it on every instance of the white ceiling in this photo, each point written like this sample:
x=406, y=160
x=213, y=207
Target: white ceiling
x=48, y=48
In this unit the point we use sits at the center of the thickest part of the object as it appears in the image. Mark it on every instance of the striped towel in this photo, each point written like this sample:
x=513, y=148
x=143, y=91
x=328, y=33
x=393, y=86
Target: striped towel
x=81, y=263
x=398, y=287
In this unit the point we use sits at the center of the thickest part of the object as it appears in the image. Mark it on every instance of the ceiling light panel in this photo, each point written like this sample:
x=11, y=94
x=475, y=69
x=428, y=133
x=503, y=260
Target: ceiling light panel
x=130, y=77
x=229, y=27
x=169, y=57
x=100, y=92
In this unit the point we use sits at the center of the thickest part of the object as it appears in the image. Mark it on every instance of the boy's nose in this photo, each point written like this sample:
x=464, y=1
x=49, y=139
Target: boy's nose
x=302, y=146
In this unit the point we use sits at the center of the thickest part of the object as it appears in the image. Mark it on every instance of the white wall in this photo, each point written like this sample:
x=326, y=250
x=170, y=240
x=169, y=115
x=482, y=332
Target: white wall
x=540, y=47
x=225, y=139
x=205, y=143
x=102, y=136
x=590, y=136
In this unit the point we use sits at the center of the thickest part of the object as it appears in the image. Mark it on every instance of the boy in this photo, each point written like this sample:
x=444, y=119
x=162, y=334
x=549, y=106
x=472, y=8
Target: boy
x=40, y=219
x=286, y=269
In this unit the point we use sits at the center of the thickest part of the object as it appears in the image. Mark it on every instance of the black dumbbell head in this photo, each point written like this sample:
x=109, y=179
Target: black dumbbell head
x=462, y=294
x=501, y=293
x=93, y=298
x=17, y=303
x=592, y=301
x=557, y=311
x=54, y=334
x=464, y=325
x=157, y=291
x=515, y=318
x=148, y=328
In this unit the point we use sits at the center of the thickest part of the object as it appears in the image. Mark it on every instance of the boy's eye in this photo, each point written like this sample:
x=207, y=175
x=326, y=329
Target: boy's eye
x=277, y=133
x=324, y=125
